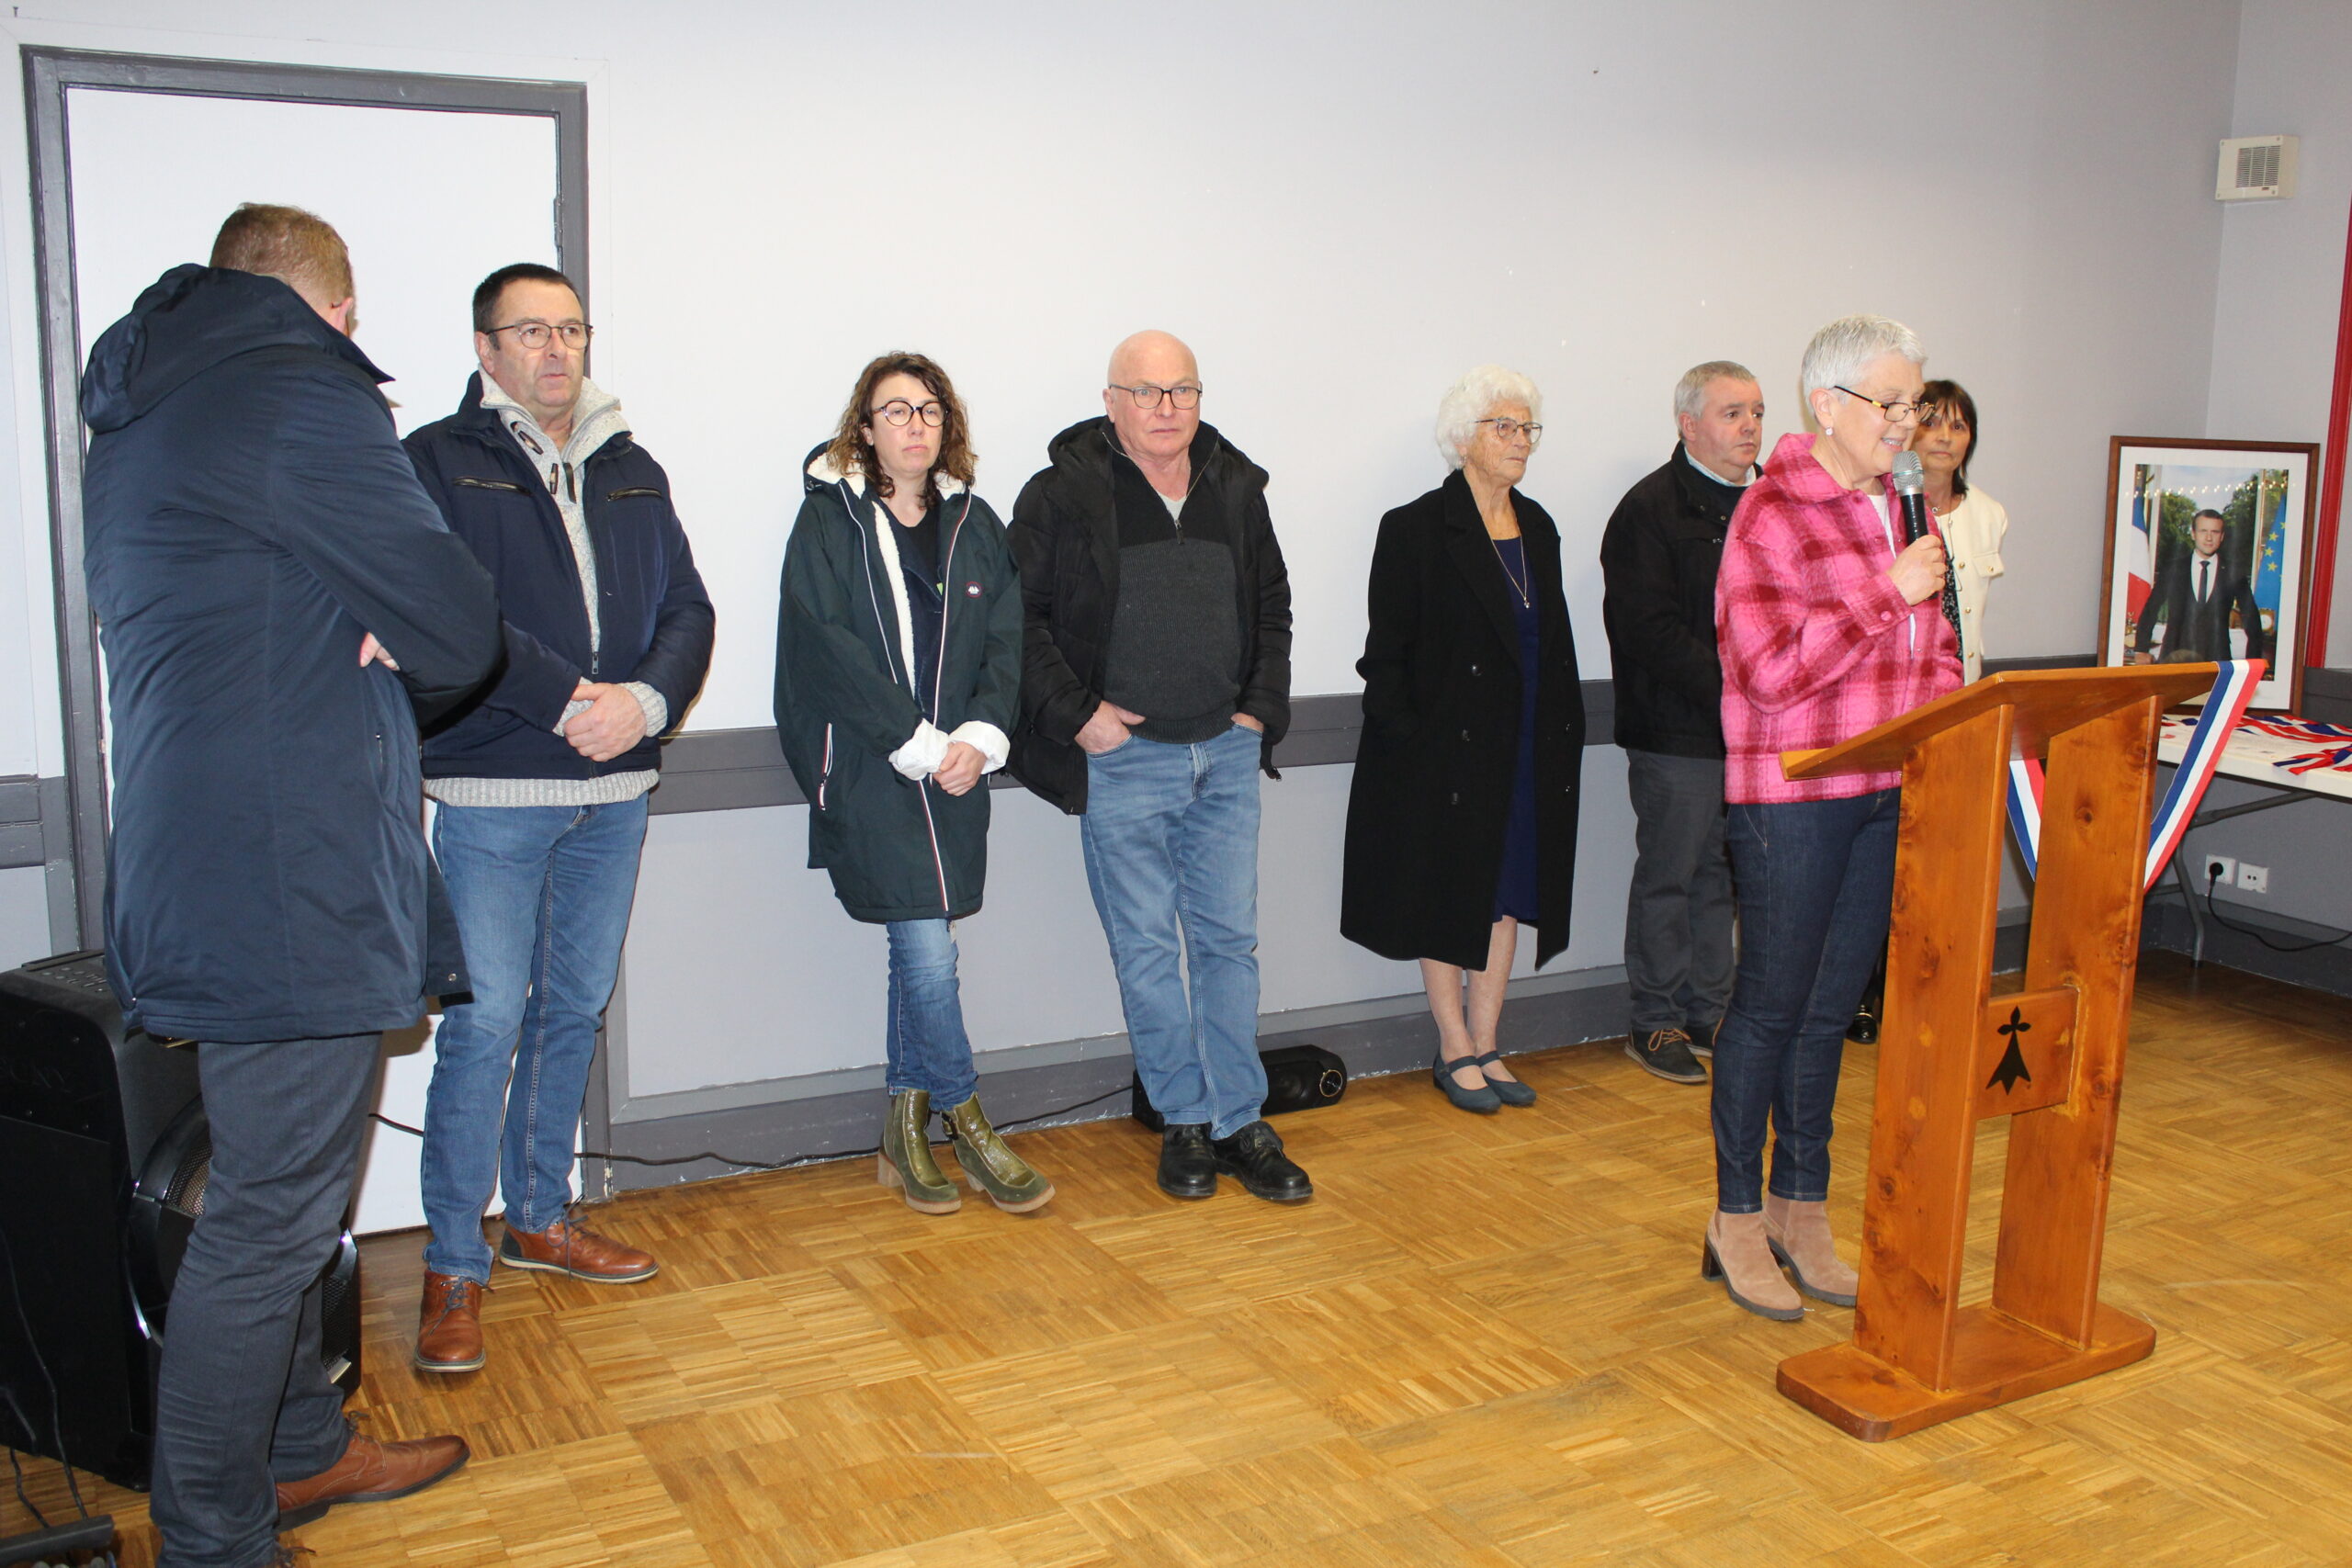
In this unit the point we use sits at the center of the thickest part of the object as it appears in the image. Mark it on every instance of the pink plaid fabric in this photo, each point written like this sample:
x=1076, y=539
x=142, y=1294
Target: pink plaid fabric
x=1814, y=636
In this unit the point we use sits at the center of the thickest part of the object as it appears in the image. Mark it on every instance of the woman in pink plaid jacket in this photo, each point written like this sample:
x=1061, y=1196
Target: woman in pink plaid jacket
x=1828, y=625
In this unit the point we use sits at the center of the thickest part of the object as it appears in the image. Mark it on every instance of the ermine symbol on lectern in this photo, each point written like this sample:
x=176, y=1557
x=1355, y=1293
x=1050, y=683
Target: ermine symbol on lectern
x=2012, y=1065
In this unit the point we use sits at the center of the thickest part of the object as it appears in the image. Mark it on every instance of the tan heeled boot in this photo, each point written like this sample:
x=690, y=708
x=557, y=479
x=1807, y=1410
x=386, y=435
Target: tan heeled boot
x=992, y=1167
x=1737, y=1254
x=905, y=1161
x=1799, y=1234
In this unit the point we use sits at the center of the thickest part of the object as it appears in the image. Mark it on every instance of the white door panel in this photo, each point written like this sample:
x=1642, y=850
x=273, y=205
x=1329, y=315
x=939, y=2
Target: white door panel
x=429, y=203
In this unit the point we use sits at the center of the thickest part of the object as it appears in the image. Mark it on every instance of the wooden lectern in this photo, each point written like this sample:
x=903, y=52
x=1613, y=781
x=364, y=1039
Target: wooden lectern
x=1949, y=1055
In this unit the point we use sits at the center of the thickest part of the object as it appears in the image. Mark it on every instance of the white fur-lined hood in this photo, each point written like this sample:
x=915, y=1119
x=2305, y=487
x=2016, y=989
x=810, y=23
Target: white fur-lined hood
x=821, y=474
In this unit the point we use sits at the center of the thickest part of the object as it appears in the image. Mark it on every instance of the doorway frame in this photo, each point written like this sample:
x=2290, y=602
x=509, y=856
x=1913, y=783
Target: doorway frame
x=77, y=881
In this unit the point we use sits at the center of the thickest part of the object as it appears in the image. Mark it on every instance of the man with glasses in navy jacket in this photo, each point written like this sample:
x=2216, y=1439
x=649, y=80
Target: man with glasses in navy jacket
x=540, y=785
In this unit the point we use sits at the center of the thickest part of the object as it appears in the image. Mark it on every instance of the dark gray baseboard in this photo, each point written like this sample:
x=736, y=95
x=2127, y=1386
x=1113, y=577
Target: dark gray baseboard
x=2165, y=926
x=837, y=1126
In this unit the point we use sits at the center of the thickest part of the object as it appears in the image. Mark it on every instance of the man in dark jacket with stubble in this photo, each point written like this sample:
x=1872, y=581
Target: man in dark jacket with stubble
x=1155, y=684
x=280, y=604
x=539, y=786
x=1659, y=560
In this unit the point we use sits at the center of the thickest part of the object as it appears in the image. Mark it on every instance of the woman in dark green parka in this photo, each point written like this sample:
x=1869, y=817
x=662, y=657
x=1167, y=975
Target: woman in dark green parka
x=898, y=679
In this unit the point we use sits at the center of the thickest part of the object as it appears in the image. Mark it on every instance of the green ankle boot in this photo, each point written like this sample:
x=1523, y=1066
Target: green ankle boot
x=992, y=1167
x=905, y=1161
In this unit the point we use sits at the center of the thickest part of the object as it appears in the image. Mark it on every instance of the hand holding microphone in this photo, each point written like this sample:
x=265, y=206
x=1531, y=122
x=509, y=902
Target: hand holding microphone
x=1919, y=570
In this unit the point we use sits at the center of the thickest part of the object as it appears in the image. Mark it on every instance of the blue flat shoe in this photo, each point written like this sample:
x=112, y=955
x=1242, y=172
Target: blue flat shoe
x=1509, y=1091
x=1485, y=1101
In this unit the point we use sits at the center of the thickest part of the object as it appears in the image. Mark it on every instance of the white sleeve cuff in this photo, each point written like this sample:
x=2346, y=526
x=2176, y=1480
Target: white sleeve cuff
x=923, y=751
x=987, y=740
x=656, y=707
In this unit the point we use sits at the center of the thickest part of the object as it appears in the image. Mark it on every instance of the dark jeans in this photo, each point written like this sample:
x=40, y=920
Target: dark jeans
x=1677, y=913
x=1815, y=879
x=242, y=1402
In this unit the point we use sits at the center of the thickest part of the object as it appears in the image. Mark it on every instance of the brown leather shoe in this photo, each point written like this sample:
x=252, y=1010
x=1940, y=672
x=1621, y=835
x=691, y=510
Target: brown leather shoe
x=448, y=1327
x=567, y=1249
x=370, y=1472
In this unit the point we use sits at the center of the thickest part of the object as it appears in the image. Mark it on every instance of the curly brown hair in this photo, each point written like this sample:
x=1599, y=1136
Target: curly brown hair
x=849, y=450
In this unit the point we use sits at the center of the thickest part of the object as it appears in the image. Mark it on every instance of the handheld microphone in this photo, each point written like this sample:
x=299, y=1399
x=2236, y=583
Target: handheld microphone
x=1911, y=485
x=1911, y=488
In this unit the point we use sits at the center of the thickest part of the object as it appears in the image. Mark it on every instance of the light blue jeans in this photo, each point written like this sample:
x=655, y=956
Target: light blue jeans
x=929, y=1049
x=1171, y=834
x=542, y=895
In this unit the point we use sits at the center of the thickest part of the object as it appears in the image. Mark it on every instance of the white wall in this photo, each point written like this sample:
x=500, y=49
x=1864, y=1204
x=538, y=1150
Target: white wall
x=2280, y=290
x=1344, y=205
x=2281, y=285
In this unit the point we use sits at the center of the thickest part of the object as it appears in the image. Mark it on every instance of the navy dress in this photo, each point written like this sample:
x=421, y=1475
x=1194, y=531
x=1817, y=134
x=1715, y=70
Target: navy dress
x=1515, y=886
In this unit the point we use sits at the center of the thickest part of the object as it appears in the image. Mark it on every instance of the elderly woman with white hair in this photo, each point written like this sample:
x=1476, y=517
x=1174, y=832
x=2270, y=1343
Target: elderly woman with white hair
x=1462, y=819
x=1829, y=624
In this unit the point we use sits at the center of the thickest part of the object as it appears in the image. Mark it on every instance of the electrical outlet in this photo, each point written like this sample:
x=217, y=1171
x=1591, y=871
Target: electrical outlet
x=2254, y=878
x=2218, y=871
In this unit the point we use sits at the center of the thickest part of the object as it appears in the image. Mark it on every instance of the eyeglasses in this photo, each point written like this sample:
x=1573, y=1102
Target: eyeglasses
x=897, y=411
x=1509, y=430
x=1895, y=413
x=1148, y=396
x=534, y=334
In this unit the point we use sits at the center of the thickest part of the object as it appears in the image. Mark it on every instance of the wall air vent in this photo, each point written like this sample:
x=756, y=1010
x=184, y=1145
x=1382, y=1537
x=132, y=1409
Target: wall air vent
x=2256, y=168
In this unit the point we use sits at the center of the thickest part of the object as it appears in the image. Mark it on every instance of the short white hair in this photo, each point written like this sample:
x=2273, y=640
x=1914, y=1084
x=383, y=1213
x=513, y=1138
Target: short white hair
x=1691, y=392
x=1840, y=351
x=1472, y=399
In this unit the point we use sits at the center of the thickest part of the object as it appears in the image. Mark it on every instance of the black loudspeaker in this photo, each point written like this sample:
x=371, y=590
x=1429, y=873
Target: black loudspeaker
x=105, y=1154
x=1298, y=1078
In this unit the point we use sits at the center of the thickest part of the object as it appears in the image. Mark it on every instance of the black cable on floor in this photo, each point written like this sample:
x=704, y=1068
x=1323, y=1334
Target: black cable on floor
x=17, y=1469
x=754, y=1165
x=56, y=1404
x=2213, y=880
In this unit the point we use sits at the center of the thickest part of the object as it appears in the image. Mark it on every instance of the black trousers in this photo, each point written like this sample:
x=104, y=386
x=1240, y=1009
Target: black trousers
x=242, y=1402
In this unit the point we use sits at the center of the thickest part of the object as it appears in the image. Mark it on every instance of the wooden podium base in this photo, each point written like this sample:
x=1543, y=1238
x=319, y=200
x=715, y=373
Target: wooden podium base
x=1995, y=1359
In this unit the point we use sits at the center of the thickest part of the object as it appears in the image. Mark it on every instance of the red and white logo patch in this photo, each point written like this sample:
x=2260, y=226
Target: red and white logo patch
x=972, y=591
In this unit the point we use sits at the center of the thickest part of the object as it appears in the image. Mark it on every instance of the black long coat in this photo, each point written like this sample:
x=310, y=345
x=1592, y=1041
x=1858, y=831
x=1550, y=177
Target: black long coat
x=249, y=516
x=1442, y=698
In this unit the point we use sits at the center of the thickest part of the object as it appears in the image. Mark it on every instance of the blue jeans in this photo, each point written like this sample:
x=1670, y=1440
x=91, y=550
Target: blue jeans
x=1815, y=880
x=542, y=895
x=1171, y=834
x=242, y=1402
x=929, y=1049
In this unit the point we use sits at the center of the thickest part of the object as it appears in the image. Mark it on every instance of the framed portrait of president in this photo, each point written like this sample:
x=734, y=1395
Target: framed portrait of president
x=2209, y=556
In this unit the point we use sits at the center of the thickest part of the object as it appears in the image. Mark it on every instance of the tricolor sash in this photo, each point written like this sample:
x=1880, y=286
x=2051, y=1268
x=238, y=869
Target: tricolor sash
x=2233, y=689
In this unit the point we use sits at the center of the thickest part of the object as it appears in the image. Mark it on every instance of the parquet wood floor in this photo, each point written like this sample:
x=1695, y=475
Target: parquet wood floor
x=1485, y=1342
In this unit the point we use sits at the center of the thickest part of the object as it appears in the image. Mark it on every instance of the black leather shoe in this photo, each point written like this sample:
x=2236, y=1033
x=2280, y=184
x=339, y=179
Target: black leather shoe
x=1187, y=1166
x=1254, y=1157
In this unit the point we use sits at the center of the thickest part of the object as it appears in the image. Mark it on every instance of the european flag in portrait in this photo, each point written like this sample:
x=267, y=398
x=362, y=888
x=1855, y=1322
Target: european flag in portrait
x=2270, y=558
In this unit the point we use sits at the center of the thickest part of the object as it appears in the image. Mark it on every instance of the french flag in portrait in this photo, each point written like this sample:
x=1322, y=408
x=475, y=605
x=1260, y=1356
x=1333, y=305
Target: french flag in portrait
x=2139, y=563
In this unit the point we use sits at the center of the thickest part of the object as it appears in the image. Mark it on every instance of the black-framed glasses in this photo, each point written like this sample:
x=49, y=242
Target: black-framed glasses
x=1509, y=430
x=1895, y=414
x=897, y=411
x=1148, y=396
x=534, y=334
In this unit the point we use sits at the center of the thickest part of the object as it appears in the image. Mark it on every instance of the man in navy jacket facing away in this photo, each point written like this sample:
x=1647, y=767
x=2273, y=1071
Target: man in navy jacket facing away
x=268, y=577
x=540, y=785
